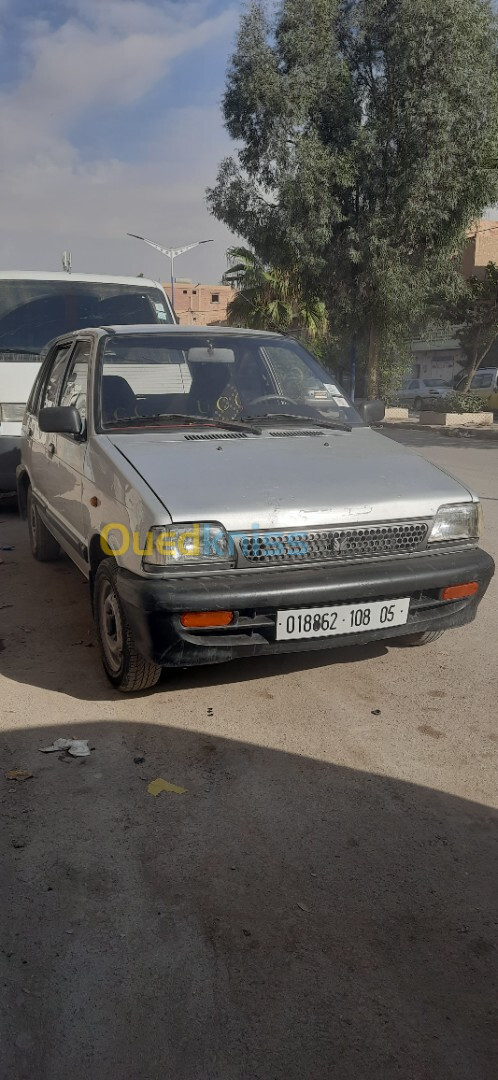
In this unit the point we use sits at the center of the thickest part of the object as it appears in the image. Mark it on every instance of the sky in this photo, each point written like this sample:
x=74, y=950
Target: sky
x=110, y=122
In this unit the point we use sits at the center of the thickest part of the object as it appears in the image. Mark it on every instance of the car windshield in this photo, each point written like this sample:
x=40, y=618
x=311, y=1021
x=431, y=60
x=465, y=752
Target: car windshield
x=178, y=378
x=32, y=312
x=436, y=382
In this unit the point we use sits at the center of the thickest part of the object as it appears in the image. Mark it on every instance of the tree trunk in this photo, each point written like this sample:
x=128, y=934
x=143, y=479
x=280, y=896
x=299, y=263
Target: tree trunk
x=477, y=359
x=472, y=370
x=372, y=364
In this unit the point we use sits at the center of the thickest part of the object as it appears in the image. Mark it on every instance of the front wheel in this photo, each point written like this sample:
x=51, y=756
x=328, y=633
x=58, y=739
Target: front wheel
x=425, y=637
x=124, y=666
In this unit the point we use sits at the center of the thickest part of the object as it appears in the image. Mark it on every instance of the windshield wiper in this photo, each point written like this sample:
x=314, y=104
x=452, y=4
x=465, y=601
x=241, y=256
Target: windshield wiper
x=335, y=425
x=191, y=418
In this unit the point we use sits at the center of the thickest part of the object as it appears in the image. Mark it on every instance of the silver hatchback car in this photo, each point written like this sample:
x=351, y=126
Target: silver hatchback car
x=225, y=499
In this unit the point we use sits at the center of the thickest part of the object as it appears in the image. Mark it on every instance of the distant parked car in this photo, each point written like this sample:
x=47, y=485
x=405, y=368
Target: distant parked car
x=416, y=392
x=485, y=385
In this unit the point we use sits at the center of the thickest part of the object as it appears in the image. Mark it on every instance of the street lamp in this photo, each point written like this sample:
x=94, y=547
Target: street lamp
x=171, y=254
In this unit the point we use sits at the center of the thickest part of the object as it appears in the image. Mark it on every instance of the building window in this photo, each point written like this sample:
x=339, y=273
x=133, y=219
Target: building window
x=185, y=292
x=215, y=298
x=194, y=292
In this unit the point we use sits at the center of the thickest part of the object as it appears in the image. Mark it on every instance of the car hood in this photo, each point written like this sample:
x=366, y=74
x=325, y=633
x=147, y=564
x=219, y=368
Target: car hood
x=287, y=481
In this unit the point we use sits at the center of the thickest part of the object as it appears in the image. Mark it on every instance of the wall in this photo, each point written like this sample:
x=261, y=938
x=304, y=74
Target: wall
x=203, y=305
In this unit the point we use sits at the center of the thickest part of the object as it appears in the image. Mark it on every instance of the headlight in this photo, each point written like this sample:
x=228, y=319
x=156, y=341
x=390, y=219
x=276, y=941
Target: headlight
x=12, y=412
x=462, y=521
x=191, y=544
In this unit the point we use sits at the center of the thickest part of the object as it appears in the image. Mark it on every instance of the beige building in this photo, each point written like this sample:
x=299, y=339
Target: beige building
x=204, y=305
x=482, y=248
x=442, y=357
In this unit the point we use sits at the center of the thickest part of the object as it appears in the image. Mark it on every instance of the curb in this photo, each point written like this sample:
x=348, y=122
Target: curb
x=486, y=434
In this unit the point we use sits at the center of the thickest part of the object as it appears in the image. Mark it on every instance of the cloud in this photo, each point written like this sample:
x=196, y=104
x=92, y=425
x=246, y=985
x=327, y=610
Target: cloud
x=108, y=54
x=109, y=61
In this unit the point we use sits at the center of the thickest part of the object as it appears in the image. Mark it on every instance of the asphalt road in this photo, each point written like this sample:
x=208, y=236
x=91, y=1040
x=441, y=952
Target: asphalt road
x=320, y=902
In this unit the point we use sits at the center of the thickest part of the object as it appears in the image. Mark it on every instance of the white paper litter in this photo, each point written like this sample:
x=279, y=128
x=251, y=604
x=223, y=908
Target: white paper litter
x=75, y=747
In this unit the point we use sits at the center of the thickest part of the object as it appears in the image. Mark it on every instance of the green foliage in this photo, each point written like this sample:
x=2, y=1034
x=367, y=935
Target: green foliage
x=368, y=135
x=475, y=311
x=395, y=362
x=269, y=298
x=458, y=403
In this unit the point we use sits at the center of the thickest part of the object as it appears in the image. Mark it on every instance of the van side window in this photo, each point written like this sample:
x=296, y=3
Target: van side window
x=75, y=381
x=55, y=376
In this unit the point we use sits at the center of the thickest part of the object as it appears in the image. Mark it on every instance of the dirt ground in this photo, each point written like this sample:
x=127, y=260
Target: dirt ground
x=321, y=901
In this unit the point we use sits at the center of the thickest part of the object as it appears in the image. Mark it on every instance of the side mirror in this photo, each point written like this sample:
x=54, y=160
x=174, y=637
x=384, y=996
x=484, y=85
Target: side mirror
x=61, y=420
x=372, y=412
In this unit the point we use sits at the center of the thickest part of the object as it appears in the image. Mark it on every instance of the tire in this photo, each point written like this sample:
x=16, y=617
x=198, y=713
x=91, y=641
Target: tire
x=425, y=637
x=44, y=546
x=124, y=665
x=418, y=404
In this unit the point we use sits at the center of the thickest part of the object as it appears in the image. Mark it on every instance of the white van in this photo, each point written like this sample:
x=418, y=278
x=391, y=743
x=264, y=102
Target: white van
x=36, y=307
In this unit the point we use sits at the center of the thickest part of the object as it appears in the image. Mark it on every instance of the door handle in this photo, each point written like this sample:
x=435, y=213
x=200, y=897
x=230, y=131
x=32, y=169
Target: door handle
x=51, y=449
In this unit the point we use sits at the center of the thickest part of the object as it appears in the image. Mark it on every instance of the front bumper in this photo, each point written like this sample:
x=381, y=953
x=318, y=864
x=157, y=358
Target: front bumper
x=153, y=607
x=10, y=456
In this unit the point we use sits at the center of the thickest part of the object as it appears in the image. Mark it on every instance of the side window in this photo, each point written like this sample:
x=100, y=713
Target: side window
x=75, y=382
x=36, y=389
x=56, y=373
x=413, y=385
x=476, y=382
x=486, y=380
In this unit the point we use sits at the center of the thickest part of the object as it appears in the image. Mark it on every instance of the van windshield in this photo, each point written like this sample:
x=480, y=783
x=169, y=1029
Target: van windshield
x=174, y=378
x=32, y=312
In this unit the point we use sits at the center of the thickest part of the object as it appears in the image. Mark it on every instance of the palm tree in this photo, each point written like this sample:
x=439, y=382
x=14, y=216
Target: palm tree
x=269, y=298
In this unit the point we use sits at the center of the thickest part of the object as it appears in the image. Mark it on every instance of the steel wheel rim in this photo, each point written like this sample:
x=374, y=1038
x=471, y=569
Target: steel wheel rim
x=111, y=628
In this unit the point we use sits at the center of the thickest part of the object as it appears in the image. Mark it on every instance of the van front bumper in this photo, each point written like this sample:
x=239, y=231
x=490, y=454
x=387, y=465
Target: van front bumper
x=10, y=456
x=153, y=607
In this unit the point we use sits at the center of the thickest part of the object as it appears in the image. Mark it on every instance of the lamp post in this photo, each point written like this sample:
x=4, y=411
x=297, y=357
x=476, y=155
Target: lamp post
x=171, y=254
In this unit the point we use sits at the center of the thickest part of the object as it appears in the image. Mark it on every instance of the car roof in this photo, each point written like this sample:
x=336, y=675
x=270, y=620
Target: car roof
x=175, y=328
x=61, y=275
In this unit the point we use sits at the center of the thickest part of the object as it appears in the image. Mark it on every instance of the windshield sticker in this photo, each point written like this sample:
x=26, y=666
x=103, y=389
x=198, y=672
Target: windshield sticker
x=340, y=401
x=332, y=388
x=160, y=310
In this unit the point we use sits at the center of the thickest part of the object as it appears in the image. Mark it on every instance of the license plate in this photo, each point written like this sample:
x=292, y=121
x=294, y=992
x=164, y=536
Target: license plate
x=343, y=619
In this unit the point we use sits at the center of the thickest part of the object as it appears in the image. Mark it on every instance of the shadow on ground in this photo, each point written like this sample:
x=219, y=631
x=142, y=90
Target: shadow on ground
x=284, y=918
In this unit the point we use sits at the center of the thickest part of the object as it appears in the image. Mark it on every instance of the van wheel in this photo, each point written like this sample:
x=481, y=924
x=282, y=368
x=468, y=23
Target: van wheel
x=426, y=637
x=124, y=666
x=44, y=546
x=418, y=404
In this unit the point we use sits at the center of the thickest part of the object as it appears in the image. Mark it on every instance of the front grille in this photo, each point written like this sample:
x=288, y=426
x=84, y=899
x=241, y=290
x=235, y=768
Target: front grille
x=341, y=543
